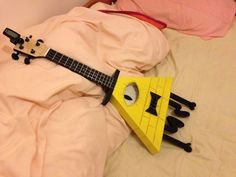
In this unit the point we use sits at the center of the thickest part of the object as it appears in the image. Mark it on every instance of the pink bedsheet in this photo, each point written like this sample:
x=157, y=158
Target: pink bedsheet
x=51, y=121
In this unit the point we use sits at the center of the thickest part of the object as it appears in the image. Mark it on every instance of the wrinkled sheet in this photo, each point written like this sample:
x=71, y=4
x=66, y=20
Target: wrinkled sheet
x=205, y=72
x=52, y=122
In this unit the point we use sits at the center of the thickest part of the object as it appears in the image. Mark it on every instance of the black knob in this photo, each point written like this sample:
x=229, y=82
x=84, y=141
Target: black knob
x=15, y=56
x=21, y=47
x=40, y=40
x=32, y=51
x=188, y=147
x=37, y=43
x=27, y=39
x=27, y=60
x=21, y=41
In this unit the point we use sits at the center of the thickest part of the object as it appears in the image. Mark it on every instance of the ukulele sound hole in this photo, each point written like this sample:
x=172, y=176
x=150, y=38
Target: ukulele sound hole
x=131, y=94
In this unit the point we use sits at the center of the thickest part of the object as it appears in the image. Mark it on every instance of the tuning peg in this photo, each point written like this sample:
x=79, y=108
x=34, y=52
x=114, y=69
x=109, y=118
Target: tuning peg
x=27, y=39
x=27, y=60
x=15, y=56
x=21, y=47
x=21, y=41
x=39, y=41
x=32, y=51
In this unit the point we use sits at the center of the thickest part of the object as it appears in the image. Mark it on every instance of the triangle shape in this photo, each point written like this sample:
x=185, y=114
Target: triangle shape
x=147, y=114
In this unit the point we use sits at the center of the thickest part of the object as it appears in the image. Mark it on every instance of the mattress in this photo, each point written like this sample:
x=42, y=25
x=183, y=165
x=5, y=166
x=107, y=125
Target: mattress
x=205, y=72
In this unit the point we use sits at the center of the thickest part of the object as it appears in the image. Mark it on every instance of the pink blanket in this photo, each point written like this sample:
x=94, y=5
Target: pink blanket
x=51, y=119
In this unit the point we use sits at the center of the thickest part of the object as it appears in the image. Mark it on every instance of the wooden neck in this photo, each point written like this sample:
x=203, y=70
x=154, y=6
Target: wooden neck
x=91, y=74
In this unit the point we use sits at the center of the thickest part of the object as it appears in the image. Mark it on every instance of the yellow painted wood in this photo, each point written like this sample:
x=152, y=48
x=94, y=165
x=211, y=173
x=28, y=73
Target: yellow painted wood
x=148, y=127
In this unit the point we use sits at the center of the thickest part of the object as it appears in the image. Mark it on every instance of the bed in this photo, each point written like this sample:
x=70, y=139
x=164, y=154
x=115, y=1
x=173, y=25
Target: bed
x=39, y=122
x=205, y=72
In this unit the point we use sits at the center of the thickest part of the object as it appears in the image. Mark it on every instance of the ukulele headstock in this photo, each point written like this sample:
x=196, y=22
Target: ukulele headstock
x=26, y=45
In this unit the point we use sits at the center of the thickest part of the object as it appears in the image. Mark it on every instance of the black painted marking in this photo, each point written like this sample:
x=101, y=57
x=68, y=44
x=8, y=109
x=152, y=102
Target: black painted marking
x=153, y=103
x=127, y=97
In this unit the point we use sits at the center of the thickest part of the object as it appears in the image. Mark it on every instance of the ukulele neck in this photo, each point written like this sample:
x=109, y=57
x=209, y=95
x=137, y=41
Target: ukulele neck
x=106, y=82
x=87, y=72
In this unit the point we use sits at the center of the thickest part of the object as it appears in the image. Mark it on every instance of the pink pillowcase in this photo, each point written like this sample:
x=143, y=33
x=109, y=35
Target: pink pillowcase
x=204, y=18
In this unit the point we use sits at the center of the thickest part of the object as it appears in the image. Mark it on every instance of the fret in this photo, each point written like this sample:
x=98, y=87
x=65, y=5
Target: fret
x=84, y=69
x=76, y=66
x=108, y=80
x=60, y=57
x=54, y=56
x=111, y=81
x=102, y=79
x=81, y=68
x=71, y=64
x=50, y=55
x=96, y=74
x=68, y=62
x=52, y=52
x=93, y=73
x=98, y=77
x=57, y=57
x=89, y=71
x=63, y=60
x=105, y=80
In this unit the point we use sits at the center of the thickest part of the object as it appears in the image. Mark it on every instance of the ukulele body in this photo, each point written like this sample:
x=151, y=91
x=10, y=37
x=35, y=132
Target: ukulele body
x=146, y=114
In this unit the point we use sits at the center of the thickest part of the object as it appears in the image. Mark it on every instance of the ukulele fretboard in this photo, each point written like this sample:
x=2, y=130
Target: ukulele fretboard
x=89, y=73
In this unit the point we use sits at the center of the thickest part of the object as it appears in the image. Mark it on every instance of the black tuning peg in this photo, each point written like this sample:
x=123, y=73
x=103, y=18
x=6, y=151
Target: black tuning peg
x=27, y=60
x=21, y=47
x=39, y=41
x=21, y=41
x=27, y=39
x=15, y=56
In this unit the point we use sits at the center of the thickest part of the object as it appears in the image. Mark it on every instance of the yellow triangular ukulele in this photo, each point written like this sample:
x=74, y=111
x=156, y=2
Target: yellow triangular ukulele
x=146, y=114
x=143, y=108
